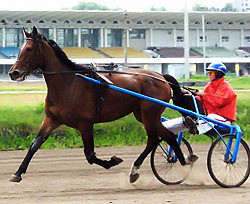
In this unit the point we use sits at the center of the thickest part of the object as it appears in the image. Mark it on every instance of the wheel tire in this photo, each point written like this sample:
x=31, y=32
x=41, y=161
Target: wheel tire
x=165, y=170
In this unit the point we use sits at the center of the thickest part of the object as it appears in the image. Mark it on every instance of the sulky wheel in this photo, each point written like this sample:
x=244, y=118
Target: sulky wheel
x=166, y=168
x=221, y=168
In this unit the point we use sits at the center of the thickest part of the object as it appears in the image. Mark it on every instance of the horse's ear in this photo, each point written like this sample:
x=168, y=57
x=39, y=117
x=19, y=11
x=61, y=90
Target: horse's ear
x=25, y=33
x=34, y=31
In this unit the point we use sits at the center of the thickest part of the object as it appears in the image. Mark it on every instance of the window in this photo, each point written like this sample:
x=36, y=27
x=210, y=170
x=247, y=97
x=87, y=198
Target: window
x=114, y=37
x=47, y=32
x=3, y=22
x=201, y=38
x=67, y=37
x=137, y=34
x=224, y=39
x=90, y=38
x=247, y=38
x=180, y=39
x=14, y=37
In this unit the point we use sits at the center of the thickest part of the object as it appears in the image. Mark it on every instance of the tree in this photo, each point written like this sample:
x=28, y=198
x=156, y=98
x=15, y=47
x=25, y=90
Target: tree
x=198, y=7
x=213, y=9
x=157, y=9
x=90, y=6
x=228, y=7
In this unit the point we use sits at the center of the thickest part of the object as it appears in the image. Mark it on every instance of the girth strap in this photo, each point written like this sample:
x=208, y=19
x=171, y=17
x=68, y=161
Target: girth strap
x=100, y=91
x=100, y=97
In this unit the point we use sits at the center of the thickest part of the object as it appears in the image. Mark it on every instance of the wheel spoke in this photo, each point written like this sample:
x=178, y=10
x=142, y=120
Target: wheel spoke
x=224, y=172
x=165, y=169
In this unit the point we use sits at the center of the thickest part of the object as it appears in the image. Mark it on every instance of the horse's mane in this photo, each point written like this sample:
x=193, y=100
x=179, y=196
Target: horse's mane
x=63, y=57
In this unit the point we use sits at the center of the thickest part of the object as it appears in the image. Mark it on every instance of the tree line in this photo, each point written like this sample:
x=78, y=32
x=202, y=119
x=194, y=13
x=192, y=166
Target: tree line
x=197, y=7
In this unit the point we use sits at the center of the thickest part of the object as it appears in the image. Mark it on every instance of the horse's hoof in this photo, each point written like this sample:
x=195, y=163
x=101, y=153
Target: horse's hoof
x=191, y=159
x=15, y=178
x=134, y=174
x=116, y=160
x=134, y=177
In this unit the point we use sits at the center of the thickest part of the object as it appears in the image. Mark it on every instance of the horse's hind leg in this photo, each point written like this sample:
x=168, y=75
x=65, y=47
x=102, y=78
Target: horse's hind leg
x=152, y=142
x=88, y=141
x=155, y=131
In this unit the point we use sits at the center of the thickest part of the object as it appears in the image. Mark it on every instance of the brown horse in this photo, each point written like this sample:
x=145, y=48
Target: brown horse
x=72, y=101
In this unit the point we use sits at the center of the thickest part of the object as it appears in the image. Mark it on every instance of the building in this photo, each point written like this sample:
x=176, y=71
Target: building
x=144, y=30
x=241, y=5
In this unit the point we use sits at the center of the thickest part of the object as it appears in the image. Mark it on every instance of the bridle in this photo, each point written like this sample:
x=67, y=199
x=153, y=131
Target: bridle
x=38, y=54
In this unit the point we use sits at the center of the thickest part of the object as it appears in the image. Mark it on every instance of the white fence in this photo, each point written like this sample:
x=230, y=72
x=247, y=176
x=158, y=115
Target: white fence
x=155, y=64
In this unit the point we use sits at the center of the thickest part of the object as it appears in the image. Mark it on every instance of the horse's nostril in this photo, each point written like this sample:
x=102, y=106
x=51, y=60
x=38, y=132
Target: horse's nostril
x=15, y=73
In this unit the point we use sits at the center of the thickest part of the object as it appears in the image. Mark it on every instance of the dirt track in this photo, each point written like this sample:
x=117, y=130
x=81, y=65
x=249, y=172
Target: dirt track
x=64, y=176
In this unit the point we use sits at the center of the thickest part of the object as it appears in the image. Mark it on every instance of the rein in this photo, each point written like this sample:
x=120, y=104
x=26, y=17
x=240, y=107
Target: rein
x=89, y=71
x=191, y=90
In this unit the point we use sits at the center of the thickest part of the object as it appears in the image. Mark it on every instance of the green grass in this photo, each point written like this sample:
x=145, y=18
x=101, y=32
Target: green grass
x=19, y=125
x=22, y=114
x=236, y=83
x=22, y=86
x=239, y=83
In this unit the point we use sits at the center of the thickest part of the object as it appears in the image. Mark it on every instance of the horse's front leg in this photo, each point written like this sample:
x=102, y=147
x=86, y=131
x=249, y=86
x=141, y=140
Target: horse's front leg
x=47, y=128
x=88, y=141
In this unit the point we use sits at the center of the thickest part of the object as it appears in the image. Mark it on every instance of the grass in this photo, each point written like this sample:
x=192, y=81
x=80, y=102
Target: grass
x=236, y=83
x=17, y=100
x=22, y=114
x=21, y=118
x=22, y=86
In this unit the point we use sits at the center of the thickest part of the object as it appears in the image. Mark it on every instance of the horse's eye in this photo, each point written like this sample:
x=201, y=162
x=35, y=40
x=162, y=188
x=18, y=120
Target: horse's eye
x=29, y=49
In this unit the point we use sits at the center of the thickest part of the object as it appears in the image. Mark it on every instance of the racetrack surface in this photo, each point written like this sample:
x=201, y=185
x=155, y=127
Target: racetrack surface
x=64, y=176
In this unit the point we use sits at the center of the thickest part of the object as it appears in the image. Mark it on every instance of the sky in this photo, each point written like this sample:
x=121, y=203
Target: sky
x=129, y=5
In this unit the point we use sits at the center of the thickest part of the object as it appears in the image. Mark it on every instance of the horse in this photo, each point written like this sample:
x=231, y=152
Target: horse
x=72, y=101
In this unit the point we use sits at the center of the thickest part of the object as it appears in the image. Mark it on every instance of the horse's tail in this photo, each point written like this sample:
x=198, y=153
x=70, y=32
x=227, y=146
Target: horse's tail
x=179, y=97
x=175, y=86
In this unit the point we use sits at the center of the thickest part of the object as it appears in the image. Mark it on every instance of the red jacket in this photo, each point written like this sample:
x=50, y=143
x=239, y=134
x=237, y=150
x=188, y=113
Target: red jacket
x=219, y=98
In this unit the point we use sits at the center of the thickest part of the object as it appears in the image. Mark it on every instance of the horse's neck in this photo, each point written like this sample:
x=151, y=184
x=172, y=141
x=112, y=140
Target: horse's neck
x=56, y=82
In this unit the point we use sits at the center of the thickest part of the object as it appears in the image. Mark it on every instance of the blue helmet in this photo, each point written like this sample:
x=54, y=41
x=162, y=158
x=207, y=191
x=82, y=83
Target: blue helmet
x=218, y=67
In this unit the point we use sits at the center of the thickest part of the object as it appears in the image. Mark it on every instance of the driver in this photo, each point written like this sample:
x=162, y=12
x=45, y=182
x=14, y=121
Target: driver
x=218, y=100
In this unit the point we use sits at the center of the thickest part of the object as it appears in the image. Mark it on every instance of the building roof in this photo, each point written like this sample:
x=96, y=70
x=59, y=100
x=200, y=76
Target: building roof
x=151, y=19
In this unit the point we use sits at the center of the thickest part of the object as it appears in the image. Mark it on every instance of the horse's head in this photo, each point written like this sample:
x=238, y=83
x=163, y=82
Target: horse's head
x=30, y=56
